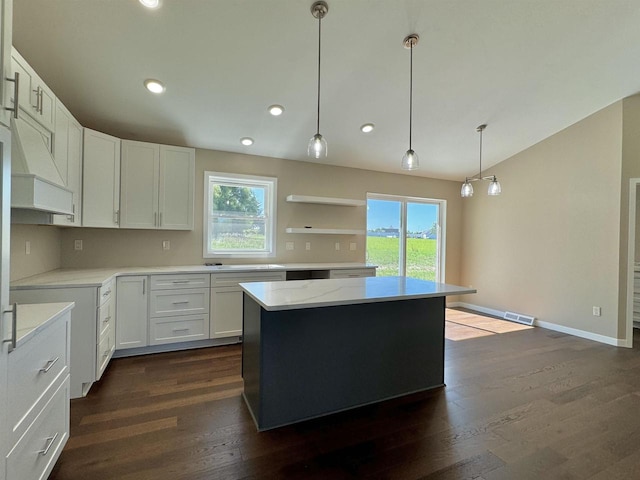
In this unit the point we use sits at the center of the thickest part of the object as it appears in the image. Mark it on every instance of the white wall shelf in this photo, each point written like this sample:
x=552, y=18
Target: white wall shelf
x=325, y=231
x=345, y=202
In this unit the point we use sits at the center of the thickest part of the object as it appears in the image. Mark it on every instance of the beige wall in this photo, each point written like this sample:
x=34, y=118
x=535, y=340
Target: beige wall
x=549, y=245
x=45, y=250
x=112, y=247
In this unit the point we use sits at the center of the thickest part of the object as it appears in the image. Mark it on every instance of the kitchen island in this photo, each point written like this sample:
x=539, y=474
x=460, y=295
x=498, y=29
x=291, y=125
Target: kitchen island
x=315, y=347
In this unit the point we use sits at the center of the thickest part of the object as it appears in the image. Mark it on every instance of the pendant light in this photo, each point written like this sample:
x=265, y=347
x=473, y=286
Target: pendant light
x=318, y=145
x=410, y=159
x=494, y=186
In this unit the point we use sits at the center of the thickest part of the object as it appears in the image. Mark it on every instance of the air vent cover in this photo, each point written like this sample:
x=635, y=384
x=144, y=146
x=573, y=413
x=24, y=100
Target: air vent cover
x=519, y=318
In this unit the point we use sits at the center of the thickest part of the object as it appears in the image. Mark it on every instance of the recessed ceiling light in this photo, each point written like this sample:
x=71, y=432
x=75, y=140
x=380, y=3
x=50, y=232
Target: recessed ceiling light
x=276, y=110
x=150, y=3
x=367, y=127
x=154, y=86
x=246, y=141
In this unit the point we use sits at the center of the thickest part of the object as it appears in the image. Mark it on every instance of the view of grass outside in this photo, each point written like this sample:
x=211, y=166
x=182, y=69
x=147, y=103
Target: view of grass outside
x=421, y=256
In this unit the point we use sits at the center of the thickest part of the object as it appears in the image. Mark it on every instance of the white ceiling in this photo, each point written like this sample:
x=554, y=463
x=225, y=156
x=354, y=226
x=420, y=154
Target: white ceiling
x=527, y=68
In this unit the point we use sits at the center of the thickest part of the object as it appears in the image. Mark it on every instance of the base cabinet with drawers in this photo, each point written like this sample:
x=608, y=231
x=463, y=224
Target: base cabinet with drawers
x=38, y=414
x=92, y=328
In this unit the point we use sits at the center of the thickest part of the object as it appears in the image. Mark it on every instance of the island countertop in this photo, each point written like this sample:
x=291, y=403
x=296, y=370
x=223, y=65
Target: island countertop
x=298, y=294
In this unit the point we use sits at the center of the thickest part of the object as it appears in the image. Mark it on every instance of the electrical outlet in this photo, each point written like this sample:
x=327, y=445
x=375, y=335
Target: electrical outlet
x=596, y=311
x=77, y=245
x=352, y=246
x=307, y=246
x=27, y=247
x=289, y=245
x=166, y=245
x=337, y=245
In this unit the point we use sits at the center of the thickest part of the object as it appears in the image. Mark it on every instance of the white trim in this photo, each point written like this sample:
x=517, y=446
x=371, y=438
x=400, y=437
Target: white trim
x=617, y=342
x=631, y=253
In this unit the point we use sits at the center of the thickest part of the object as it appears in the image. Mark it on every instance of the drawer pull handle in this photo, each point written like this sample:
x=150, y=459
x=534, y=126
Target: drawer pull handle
x=50, y=442
x=180, y=302
x=14, y=326
x=180, y=330
x=106, y=319
x=108, y=292
x=49, y=364
x=180, y=281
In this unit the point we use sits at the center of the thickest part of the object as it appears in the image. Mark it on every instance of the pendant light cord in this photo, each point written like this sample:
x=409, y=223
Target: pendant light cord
x=481, y=152
x=411, y=94
x=319, y=52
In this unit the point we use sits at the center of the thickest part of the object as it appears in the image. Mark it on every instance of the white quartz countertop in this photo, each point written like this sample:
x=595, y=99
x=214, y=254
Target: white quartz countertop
x=345, y=291
x=97, y=276
x=33, y=318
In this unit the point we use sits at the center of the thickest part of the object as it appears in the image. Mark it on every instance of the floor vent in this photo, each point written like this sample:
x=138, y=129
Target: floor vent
x=518, y=317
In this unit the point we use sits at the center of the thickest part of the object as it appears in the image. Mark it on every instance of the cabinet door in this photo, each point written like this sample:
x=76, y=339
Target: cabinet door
x=139, y=171
x=6, y=88
x=132, y=317
x=226, y=312
x=67, y=153
x=35, y=98
x=101, y=180
x=177, y=174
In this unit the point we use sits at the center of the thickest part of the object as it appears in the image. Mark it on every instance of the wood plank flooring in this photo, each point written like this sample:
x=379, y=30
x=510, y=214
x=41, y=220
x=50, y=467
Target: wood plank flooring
x=529, y=404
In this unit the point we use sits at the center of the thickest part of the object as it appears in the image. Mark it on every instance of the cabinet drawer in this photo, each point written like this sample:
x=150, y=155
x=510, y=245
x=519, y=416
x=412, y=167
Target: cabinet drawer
x=33, y=369
x=106, y=317
x=106, y=291
x=105, y=350
x=233, y=279
x=352, y=273
x=34, y=456
x=172, y=282
x=179, y=329
x=165, y=303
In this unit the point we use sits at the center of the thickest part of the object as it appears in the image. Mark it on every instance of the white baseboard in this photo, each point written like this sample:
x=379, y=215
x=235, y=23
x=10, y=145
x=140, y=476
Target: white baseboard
x=617, y=342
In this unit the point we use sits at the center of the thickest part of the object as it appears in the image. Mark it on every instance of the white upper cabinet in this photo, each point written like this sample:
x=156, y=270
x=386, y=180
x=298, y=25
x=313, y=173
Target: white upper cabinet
x=34, y=97
x=157, y=186
x=67, y=153
x=101, y=180
x=139, y=173
x=177, y=176
x=7, y=88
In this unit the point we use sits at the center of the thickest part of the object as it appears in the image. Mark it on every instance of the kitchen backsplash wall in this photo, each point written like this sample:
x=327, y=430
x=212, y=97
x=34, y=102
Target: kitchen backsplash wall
x=44, y=244
x=113, y=247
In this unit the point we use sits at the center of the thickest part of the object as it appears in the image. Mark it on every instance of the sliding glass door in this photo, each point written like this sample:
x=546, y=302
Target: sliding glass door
x=405, y=236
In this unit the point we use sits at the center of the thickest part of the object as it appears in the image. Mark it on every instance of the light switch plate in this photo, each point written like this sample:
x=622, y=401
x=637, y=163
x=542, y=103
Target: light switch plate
x=166, y=245
x=352, y=246
x=337, y=245
x=27, y=247
x=289, y=246
x=307, y=246
x=77, y=245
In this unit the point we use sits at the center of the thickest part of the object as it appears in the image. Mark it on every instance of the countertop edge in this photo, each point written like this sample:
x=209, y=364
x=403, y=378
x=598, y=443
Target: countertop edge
x=41, y=323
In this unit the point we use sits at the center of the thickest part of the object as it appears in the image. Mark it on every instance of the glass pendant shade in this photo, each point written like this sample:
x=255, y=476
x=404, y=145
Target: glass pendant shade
x=467, y=189
x=410, y=160
x=494, y=187
x=317, y=146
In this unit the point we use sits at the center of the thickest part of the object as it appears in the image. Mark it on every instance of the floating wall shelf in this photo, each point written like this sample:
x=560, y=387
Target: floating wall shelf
x=325, y=231
x=345, y=202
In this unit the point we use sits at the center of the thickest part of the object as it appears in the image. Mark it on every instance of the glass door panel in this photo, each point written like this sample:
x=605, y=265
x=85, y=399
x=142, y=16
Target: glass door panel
x=384, y=232
x=423, y=233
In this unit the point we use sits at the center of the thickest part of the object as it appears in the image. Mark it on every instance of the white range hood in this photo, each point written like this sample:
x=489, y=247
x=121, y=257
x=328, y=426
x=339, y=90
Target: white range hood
x=36, y=184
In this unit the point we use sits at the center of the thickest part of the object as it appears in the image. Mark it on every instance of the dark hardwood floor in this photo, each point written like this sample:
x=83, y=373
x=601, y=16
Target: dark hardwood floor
x=533, y=404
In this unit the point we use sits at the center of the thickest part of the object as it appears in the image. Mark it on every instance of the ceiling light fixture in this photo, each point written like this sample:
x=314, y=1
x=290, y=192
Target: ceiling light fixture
x=318, y=145
x=276, y=110
x=367, y=128
x=494, y=186
x=150, y=3
x=154, y=86
x=246, y=141
x=410, y=159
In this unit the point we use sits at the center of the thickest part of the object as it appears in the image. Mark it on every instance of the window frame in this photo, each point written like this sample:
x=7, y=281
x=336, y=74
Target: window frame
x=442, y=227
x=270, y=208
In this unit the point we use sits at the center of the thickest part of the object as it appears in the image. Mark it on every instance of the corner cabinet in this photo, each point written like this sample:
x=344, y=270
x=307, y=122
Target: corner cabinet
x=101, y=180
x=156, y=186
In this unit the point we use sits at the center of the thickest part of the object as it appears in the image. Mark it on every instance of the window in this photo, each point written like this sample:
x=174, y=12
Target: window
x=239, y=215
x=405, y=236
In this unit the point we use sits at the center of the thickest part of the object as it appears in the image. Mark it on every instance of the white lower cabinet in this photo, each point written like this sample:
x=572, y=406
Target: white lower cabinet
x=132, y=312
x=38, y=414
x=178, y=313
x=226, y=300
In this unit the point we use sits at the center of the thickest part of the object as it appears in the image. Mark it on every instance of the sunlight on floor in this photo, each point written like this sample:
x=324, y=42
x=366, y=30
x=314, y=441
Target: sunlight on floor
x=464, y=325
